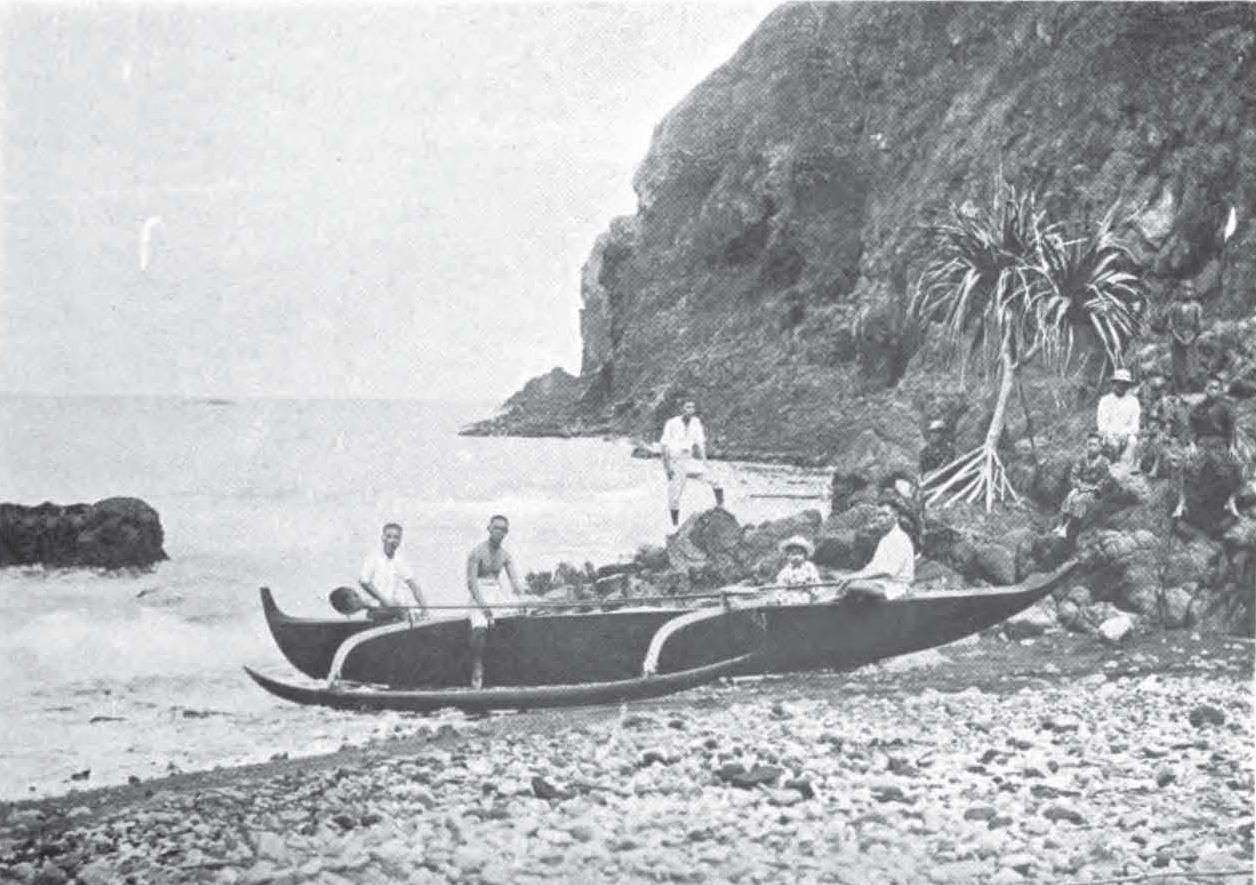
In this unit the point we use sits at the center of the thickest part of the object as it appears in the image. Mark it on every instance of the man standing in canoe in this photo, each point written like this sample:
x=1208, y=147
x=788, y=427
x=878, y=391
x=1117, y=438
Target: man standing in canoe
x=485, y=565
x=683, y=445
x=385, y=570
x=892, y=568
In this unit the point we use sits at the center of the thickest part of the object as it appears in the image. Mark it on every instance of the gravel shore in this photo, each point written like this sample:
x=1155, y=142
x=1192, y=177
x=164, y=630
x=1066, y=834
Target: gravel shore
x=1055, y=760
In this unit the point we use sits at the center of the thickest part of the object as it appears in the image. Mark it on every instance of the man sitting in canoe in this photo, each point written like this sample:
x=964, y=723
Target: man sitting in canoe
x=892, y=568
x=485, y=565
x=385, y=570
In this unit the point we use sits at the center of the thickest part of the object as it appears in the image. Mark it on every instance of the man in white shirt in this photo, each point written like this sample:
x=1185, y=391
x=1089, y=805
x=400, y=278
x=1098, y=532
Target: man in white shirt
x=892, y=568
x=1118, y=417
x=385, y=571
x=684, y=457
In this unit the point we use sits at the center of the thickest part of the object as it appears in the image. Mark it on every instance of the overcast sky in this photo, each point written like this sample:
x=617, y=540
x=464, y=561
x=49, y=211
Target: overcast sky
x=388, y=201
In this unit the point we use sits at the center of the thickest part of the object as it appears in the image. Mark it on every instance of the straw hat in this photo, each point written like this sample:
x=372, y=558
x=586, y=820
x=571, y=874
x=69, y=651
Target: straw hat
x=937, y=424
x=1123, y=375
x=800, y=542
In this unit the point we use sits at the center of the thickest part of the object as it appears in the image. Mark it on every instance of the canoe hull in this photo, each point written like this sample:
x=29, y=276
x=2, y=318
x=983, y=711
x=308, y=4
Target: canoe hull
x=573, y=658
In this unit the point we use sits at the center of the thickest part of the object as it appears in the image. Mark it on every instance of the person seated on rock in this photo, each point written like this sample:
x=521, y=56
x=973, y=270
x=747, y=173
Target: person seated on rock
x=1165, y=426
x=385, y=570
x=797, y=579
x=1117, y=419
x=1212, y=467
x=1090, y=474
x=486, y=563
x=890, y=572
x=939, y=448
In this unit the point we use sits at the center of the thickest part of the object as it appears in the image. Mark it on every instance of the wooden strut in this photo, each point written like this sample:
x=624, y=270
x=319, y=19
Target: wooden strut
x=650, y=665
x=337, y=663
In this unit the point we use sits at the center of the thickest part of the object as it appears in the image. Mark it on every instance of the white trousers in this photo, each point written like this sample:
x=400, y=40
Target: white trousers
x=491, y=592
x=687, y=469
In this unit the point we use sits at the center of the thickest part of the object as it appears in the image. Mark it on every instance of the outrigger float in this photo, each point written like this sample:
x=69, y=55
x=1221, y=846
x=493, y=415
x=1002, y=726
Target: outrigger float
x=602, y=657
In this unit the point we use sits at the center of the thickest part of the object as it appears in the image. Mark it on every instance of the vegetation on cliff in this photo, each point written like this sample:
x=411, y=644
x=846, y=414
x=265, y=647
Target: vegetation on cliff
x=780, y=223
x=787, y=211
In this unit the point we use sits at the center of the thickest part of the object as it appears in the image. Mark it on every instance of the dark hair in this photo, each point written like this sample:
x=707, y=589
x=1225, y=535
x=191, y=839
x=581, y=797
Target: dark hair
x=496, y=516
x=392, y=525
x=1094, y=434
x=893, y=504
x=1216, y=376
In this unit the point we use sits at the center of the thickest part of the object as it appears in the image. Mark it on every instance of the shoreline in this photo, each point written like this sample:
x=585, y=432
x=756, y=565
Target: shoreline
x=641, y=449
x=991, y=663
x=986, y=761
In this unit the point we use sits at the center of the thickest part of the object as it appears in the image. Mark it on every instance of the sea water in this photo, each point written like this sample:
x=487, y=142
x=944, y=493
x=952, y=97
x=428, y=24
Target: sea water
x=138, y=673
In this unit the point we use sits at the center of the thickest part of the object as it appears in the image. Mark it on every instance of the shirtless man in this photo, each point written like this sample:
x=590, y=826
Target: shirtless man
x=485, y=565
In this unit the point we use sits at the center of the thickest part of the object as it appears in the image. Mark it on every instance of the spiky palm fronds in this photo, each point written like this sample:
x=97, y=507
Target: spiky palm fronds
x=986, y=271
x=1011, y=282
x=1091, y=286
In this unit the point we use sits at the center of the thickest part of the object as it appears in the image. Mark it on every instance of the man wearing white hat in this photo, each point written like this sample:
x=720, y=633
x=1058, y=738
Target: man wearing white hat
x=1118, y=417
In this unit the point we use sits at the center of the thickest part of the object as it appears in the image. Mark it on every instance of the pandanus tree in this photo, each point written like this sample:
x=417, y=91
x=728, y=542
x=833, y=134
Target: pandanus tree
x=1009, y=285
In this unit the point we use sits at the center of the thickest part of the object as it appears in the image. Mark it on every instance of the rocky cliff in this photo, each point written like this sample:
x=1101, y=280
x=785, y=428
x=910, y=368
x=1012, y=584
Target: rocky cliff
x=780, y=208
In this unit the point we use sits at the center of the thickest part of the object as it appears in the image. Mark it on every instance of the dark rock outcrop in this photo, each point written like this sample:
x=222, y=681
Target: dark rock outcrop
x=113, y=533
x=778, y=235
x=778, y=230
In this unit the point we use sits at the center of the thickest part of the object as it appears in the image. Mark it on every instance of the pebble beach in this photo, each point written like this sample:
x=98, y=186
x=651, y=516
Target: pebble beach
x=1052, y=760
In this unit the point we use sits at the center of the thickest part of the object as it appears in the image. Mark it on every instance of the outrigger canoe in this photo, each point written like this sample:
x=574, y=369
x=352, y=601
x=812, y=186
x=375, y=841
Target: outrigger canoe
x=609, y=656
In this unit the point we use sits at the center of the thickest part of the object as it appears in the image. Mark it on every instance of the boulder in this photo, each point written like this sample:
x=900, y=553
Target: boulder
x=845, y=540
x=1194, y=559
x=933, y=576
x=1176, y=607
x=709, y=547
x=112, y=533
x=996, y=563
x=1116, y=628
x=839, y=550
x=1120, y=565
x=878, y=444
x=1040, y=618
x=651, y=558
x=1024, y=543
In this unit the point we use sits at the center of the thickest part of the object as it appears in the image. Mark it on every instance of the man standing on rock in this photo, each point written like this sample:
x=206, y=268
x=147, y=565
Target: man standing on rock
x=1185, y=323
x=683, y=445
x=385, y=570
x=485, y=565
x=890, y=572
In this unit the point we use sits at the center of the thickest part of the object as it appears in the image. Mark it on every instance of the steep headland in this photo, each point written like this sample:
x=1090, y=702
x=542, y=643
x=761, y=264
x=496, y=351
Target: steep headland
x=781, y=227
x=780, y=209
